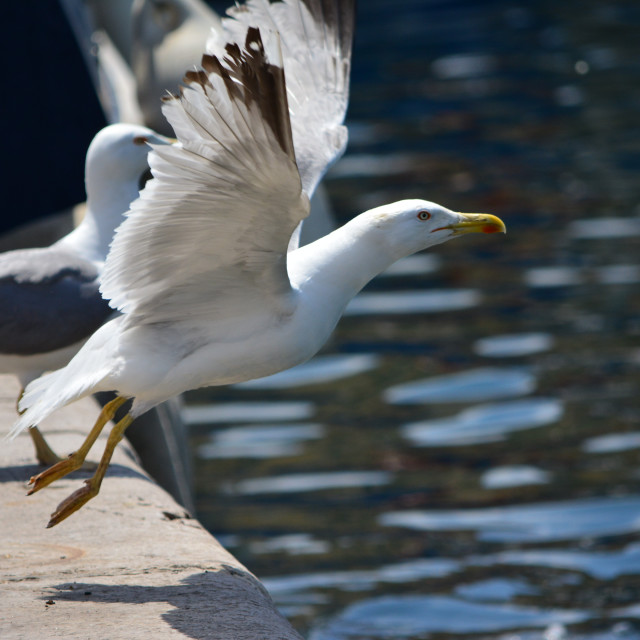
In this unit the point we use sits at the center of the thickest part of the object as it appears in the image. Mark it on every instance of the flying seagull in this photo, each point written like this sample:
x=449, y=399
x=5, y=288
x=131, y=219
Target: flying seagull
x=200, y=269
x=50, y=301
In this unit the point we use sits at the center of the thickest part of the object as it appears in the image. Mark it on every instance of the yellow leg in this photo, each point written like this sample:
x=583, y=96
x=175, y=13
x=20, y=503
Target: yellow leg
x=75, y=460
x=47, y=456
x=44, y=453
x=91, y=486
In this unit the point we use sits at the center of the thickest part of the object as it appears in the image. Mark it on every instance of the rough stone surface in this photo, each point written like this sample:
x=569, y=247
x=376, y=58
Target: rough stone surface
x=130, y=564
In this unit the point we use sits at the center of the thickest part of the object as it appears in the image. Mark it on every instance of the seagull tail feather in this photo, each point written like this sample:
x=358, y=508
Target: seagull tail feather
x=42, y=397
x=54, y=390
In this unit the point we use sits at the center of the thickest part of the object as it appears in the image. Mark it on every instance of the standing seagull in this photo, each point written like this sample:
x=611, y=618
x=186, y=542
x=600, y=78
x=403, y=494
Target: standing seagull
x=50, y=301
x=209, y=294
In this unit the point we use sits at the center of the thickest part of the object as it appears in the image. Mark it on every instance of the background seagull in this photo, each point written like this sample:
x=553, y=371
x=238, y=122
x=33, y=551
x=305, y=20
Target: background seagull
x=200, y=268
x=50, y=301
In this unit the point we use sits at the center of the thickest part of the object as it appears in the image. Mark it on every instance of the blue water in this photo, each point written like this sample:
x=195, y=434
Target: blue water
x=462, y=459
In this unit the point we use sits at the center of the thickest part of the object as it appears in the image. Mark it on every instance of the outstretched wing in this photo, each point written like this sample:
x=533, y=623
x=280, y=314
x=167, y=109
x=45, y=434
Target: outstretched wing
x=208, y=236
x=316, y=37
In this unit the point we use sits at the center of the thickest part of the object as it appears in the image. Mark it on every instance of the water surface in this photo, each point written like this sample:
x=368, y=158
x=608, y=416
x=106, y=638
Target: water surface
x=462, y=459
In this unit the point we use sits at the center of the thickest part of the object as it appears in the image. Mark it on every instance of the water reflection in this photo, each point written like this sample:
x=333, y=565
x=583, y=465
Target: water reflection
x=513, y=345
x=604, y=228
x=411, y=616
x=301, y=482
x=282, y=587
x=548, y=277
x=618, y=274
x=513, y=476
x=612, y=442
x=570, y=520
x=469, y=386
x=569, y=95
x=370, y=165
x=495, y=590
x=553, y=277
x=293, y=544
x=247, y=411
x=260, y=441
x=604, y=565
x=483, y=423
x=400, y=302
x=419, y=264
x=464, y=66
x=615, y=631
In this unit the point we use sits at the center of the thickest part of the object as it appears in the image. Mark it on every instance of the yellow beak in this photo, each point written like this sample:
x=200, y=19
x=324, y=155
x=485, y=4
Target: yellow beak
x=478, y=223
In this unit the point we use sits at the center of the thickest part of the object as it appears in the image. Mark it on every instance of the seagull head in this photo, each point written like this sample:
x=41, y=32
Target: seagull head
x=413, y=225
x=116, y=169
x=118, y=155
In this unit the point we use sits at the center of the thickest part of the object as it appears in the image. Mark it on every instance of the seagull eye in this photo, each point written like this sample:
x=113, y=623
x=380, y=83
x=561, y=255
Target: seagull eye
x=140, y=140
x=423, y=215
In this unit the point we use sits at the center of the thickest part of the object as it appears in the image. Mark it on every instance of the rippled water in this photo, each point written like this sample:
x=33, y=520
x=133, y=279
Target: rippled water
x=462, y=460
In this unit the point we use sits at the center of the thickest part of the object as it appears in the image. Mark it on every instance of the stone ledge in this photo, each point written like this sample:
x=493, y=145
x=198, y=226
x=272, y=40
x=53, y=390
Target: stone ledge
x=130, y=564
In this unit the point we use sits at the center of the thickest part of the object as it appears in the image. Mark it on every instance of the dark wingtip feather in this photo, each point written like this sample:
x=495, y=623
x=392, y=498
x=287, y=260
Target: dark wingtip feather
x=268, y=88
x=169, y=97
x=339, y=18
x=248, y=76
x=198, y=76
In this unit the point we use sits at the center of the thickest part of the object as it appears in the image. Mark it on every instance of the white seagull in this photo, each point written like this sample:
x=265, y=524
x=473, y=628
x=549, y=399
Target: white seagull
x=200, y=269
x=50, y=301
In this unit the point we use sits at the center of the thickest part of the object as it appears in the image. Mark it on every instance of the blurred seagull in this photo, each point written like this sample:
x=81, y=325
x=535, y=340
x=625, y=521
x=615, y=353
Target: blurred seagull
x=200, y=269
x=50, y=301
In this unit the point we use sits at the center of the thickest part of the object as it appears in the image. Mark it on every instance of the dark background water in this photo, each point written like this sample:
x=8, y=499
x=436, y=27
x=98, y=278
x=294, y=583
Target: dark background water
x=462, y=458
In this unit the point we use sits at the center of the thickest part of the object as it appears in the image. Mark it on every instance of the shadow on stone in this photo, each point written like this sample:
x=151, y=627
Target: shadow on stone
x=22, y=473
x=211, y=605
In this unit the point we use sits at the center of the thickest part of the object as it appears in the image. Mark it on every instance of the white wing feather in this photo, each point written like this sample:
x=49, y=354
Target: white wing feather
x=209, y=233
x=316, y=37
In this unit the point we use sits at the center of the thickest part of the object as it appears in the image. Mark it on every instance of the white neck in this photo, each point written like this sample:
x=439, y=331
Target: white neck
x=106, y=204
x=337, y=266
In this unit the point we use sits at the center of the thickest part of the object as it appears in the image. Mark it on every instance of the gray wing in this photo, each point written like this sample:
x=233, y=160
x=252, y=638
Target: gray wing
x=49, y=299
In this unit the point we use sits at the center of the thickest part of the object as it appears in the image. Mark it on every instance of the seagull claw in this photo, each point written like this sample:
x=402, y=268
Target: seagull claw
x=73, y=502
x=58, y=470
x=91, y=486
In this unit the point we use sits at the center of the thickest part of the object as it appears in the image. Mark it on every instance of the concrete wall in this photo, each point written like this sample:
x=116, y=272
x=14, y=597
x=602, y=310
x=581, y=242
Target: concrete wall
x=130, y=564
